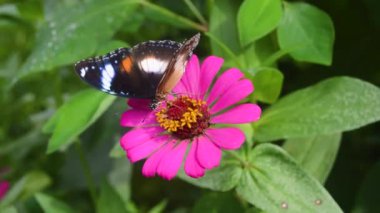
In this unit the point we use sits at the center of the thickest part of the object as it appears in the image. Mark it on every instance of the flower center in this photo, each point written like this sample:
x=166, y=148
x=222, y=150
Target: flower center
x=184, y=117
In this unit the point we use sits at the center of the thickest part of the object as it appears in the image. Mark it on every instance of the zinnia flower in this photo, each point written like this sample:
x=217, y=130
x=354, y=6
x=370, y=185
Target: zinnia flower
x=191, y=119
x=4, y=187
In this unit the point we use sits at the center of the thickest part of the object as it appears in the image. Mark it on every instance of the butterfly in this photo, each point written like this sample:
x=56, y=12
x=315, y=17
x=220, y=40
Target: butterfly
x=148, y=70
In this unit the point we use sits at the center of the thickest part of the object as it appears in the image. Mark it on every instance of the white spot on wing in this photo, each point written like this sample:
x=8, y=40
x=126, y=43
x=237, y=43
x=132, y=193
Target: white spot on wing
x=82, y=72
x=107, y=75
x=110, y=71
x=153, y=65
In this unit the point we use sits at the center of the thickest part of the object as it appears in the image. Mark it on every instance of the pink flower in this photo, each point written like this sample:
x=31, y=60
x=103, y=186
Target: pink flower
x=190, y=120
x=4, y=187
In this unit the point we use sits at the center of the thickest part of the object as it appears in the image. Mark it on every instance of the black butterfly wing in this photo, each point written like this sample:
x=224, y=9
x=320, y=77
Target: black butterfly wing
x=129, y=72
x=102, y=71
x=152, y=58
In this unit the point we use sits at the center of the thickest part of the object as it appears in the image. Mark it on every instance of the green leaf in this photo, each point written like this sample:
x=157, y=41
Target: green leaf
x=275, y=183
x=256, y=18
x=164, y=15
x=74, y=33
x=223, y=178
x=268, y=85
x=254, y=210
x=218, y=202
x=18, y=149
x=316, y=155
x=34, y=182
x=160, y=207
x=248, y=132
x=368, y=198
x=307, y=33
x=335, y=105
x=109, y=201
x=49, y=126
x=9, y=9
x=75, y=116
x=9, y=209
x=110, y=46
x=258, y=53
x=27, y=186
x=120, y=178
x=223, y=13
x=117, y=151
x=51, y=204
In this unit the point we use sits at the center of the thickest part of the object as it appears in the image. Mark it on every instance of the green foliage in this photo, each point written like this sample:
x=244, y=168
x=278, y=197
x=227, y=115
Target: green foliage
x=109, y=200
x=117, y=151
x=316, y=155
x=120, y=178
x=367, y=199
x=270, y=179
x=218, y=202
x=307, y=33
x=223, y=14
x=9, y=209
x=70, y=33
x=223, y=178
x=51, y=204
x=159, y=207
x=273, y=182
x=29, y=184
x=75, y=116
x=163, y=15
x=256, y=18
x=53, y=108
x=268, y=85
x=248, y=131
x=334, y=105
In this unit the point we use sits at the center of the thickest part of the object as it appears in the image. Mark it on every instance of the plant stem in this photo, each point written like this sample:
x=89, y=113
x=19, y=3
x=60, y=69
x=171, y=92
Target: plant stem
x=274, y=57
x=86, y=170
x=227, y=50
x=195, y=11
x=173, y=16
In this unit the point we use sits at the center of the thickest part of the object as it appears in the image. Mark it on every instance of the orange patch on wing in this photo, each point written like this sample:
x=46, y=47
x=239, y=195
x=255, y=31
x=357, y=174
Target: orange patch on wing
x=127, y=64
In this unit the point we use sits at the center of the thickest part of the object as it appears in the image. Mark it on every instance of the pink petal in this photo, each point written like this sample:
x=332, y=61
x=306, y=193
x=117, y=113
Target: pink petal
x=208, y=154
x=138, y=136
x=143, y=150
x=192, y=167
x=227, y=79
x=150, y=165
x=138, y=103
x=171, y=162
x=180, y=89
x=4, y=187
x=226, y=138
x=209, y=68
x=137, y=117
x=234, y=94
x=244, y=113
x=190, y=79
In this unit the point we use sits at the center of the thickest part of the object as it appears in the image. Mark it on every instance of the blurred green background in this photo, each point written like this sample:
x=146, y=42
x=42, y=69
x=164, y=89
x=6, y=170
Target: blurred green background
x=356, y=53
x=28, y=100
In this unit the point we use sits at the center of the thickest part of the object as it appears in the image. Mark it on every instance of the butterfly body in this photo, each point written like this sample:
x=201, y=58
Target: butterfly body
x=147, y=70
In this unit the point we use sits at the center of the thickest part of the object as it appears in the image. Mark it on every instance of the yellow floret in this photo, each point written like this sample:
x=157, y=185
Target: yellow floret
x=188, y=118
